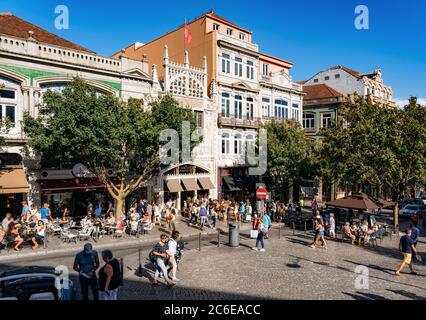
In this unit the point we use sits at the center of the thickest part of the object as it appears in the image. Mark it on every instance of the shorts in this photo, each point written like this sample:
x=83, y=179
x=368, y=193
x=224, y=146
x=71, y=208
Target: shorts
x=320, y=234
x=38, y=237
x=407, y=258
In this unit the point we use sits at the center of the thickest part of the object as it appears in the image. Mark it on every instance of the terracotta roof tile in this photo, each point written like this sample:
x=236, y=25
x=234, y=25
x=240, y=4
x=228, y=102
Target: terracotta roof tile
x=14, y=26
x=356, y=74
x=320, y=91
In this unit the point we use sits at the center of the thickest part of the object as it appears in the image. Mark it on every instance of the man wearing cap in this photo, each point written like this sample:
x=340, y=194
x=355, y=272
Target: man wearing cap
x=86, y=263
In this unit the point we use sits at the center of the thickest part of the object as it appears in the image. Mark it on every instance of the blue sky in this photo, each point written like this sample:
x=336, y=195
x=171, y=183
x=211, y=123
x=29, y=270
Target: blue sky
x=313, y=34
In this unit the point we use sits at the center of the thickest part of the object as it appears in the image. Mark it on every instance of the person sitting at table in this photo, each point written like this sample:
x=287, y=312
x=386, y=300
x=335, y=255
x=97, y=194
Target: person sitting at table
x=146, y=218
x=87, y=220
x=14, y=235
x=111, y=219
x=39, y=234
x=2, y=236
x=348, y=232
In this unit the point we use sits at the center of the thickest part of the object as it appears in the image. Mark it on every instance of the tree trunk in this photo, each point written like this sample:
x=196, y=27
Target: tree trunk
x=119, y=212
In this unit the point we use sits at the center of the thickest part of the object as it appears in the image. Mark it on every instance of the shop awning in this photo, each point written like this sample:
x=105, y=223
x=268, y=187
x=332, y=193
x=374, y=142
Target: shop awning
x=190, y=184
x=71, y=185
x=174, y=185
x=206, y=183
x=13, y=181
x=230, y=184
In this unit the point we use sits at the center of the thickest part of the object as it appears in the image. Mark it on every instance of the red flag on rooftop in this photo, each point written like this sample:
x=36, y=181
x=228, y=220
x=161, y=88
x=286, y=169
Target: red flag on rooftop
x=188, y=35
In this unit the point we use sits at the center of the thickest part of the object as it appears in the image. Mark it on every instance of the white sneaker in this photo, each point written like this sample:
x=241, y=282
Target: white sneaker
x=175, y=279
x=255, y=249
x=262, y=250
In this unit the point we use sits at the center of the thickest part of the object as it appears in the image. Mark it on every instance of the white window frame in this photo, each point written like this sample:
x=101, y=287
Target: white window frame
x=266, y=69
x=238, y=64
x=266, y=107
x=229, y=32
x=216, y=26
x=242, y=36
x=226, y=105
x=295, y=111
x=250, y=108
x=329, y=119
x=238, y=106
x=281, y=110
x=225, y=143
x=250, y=70
x=238, y=144
x=308, y=123
x=226, y=63
x=13, y=103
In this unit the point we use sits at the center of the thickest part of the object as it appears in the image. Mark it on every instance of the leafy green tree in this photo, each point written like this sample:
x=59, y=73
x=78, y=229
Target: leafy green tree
x=374, y=145
x=102, y=132
x=290, y=154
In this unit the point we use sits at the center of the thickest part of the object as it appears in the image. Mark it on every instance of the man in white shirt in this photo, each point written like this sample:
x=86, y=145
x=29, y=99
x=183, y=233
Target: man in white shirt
x=172, y=252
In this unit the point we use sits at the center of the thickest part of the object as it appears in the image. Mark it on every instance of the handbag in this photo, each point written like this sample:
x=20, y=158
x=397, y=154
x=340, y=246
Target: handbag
x=254, y=234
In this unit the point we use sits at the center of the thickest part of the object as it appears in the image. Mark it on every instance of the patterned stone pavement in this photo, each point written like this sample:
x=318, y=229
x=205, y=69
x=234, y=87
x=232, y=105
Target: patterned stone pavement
x=289, y=269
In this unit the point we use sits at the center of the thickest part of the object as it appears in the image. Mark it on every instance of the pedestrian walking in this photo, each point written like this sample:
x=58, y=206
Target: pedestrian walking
x=332, y=226
x=109, y=277
x=266, y=225
x=86, y=263
x=172, y=244
x=319, y=233
x=261, y=232
x=415, y=233
x=406, y=246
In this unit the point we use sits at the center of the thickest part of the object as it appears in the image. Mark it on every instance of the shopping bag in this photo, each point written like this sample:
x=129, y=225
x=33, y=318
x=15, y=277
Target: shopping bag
x=253, y=234
x=248, y=218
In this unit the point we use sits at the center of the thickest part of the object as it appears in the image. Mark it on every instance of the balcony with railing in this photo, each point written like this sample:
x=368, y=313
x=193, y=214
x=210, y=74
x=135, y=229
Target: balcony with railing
x=237, y=42
x=243, y=121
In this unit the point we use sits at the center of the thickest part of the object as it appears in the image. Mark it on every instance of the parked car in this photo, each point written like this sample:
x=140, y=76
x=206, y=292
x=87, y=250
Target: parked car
x=403, y=203
x=32, y=283
x=410, y=209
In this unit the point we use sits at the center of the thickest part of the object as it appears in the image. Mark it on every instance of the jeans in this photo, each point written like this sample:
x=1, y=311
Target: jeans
x=161, y=267
x=260, y=240
x=85, y=284
x=112, y=295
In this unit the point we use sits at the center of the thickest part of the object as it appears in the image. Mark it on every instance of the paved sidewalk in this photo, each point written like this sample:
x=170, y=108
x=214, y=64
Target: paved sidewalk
x=56, y=248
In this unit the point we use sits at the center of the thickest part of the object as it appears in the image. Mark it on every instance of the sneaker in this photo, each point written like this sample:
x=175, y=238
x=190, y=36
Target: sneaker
x=175, y=279
x=255, y=249
x=262, y=250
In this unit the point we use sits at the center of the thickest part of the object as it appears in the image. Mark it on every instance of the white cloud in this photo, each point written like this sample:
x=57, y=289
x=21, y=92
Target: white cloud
x=401, y=103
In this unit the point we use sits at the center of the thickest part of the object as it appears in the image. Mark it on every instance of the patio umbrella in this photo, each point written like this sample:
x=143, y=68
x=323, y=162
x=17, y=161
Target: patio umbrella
x=356, y=201
x=385, y=203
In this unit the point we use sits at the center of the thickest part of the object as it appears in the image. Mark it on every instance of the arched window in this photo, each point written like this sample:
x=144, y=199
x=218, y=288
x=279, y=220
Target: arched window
x=225, y=143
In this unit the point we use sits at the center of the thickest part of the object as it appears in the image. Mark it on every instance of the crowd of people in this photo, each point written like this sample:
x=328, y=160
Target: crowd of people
x=29, y=227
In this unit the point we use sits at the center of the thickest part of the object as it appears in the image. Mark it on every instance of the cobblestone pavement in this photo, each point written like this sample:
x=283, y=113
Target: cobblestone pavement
x=289, y=269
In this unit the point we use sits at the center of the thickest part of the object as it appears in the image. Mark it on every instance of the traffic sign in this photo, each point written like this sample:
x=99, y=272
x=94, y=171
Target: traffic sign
x=261, y=193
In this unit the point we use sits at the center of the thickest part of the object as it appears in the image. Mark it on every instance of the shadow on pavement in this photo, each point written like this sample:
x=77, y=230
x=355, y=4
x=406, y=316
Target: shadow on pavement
x=364, y=296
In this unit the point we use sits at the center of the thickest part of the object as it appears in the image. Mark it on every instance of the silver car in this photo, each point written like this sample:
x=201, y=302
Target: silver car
x=411, y=209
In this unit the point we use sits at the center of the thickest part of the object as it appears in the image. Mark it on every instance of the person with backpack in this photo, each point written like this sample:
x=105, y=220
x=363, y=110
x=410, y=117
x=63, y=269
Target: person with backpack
x=266, y=225
x=160, y=258
x=109, y=277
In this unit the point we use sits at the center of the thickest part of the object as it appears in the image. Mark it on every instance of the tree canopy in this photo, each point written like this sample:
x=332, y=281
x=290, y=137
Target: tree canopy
x=80, y=125
x=375, y=145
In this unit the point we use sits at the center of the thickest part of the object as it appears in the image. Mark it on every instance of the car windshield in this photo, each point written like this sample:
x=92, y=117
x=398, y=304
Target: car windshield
x=411, y=208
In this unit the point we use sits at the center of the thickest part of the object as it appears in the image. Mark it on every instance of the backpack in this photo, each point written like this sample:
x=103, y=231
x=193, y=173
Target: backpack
x=152, y=257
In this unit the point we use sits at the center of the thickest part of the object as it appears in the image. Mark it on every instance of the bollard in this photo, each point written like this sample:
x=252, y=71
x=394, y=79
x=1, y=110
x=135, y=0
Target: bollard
x=121, y=271
x=140, y=263
x=199, y=241
x=218, y=238
x=294, y=228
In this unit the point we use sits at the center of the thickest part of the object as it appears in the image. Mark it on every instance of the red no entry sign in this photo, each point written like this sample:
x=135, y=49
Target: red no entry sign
x=262, y=193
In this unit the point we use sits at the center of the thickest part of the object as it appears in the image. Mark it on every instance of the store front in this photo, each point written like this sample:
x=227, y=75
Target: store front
x=184, y=181
x=75, y=194
x=13, y=190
